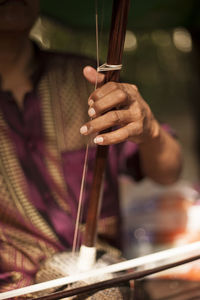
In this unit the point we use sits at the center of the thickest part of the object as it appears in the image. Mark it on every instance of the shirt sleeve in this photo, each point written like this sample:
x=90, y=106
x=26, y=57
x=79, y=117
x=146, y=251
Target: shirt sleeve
x=129, y=161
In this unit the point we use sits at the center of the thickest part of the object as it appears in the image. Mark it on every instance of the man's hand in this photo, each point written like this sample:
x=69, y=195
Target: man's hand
x=121, y=106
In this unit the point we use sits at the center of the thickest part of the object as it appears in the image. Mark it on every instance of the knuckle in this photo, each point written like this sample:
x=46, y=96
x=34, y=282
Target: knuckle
x=135, y=87
x=135, y=129
x=115, y=116
x=139, y=114
x=139, y=129
x=121, y=95
x=132, y=115
x=112, y=85
x=138, y=111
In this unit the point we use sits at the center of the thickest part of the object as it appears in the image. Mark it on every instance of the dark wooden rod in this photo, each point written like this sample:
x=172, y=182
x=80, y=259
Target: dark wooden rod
x=115, y=51
x=91, y=288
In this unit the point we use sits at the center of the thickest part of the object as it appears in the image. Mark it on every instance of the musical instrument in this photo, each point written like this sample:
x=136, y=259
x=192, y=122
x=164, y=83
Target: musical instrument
x=137, y=268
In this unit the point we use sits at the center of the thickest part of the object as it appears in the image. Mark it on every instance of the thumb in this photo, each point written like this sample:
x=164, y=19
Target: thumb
x=93, y=76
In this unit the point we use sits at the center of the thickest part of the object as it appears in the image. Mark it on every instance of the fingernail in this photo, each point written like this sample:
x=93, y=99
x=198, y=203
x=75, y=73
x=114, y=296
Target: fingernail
x=90, y=102
x=91, y=112
x=98, y=140
x=84, y=129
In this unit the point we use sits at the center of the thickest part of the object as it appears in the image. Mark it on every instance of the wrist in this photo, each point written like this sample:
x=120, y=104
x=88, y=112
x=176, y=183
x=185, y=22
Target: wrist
x=153, y=135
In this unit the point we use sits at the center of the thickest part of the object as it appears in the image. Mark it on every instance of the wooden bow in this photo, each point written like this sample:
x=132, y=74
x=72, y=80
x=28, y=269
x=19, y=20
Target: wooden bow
x=114, y=57
x=138, y=268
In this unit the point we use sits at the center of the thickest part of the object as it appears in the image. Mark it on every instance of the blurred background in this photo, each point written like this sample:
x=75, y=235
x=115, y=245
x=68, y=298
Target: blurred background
x=162, y=57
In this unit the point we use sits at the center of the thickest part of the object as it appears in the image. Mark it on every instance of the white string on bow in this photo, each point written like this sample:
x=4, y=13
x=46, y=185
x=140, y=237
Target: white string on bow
x=76, y=239
x=149, y=261
x=103, y=68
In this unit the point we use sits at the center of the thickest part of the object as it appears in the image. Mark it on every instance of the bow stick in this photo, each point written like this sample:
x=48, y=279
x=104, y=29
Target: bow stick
x=145, y=265
x=114, y=59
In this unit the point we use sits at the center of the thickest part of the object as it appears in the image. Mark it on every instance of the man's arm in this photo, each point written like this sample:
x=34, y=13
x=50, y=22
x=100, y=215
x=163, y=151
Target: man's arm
x=161, y=158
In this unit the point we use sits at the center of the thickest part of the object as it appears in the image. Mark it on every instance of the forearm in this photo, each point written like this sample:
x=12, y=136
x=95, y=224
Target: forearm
x=161, y=158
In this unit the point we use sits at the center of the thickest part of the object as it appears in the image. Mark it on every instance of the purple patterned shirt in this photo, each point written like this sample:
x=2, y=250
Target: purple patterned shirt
x=26, y=133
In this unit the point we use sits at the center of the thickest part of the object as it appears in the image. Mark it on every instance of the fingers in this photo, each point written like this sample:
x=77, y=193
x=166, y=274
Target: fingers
x=119, y=118
x=113, y=137
x=108, y=120
x=93, y=76
x=114, y=105
x=110, y=101
x=109, y=96
x=120, y=135
x=130, y=91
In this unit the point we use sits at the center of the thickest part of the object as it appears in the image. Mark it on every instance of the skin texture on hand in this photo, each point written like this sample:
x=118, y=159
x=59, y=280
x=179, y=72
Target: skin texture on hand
x=121, y=106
